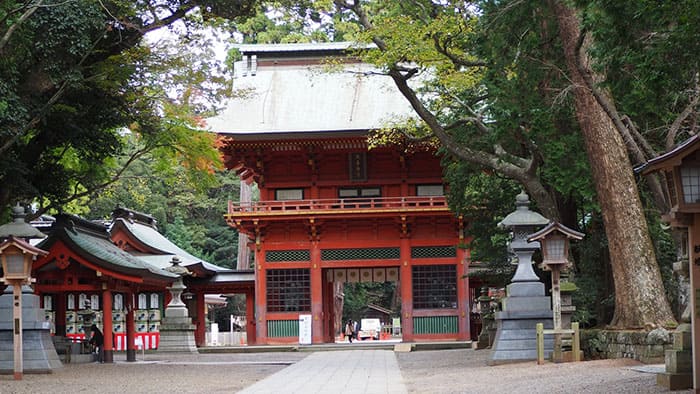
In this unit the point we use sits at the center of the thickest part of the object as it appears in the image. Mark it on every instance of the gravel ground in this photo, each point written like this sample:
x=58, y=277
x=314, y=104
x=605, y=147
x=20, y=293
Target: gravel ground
x=440, y=371
x=465, y=371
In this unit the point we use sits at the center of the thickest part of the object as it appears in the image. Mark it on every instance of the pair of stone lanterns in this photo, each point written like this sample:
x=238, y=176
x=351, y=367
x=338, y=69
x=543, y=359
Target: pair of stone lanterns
x=17, y=256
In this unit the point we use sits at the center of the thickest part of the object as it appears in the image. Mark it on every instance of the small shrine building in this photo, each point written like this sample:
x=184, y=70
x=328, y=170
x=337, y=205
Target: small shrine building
x=114, y=276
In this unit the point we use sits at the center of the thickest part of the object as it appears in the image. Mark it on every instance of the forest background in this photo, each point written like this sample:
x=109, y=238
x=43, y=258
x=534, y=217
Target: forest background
x=93, y=116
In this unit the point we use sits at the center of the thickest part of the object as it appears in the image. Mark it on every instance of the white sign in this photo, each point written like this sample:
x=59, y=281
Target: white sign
x=305, y=329
x=214, y=334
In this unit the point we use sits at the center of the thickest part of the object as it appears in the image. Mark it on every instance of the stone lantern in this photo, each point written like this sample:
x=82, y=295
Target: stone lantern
x=525, y=304
x=522, y=222
x=177, y=330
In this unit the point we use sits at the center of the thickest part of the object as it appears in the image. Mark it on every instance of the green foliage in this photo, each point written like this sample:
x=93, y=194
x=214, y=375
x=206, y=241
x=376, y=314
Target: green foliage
x=648, y=50
x=485, y=199
x=235, y=305
x=594, y=299
x=359, y=295
x=666, y=255
x=74, y=76
x=190, y=217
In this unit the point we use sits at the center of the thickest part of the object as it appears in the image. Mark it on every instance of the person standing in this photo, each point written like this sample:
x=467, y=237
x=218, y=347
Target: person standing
x=349, y=330
x=97, y=340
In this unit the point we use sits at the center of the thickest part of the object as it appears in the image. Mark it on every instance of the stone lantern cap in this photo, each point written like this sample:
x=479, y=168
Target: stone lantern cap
x=19, y=227
x=523, y=216
x=176, y=268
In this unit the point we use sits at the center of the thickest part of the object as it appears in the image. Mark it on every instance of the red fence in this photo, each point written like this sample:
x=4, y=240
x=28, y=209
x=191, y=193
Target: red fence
x=143, y=340
x=332, y=204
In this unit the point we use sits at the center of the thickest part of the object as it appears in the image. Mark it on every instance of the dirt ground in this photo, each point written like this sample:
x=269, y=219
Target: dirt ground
x=439, y=371
x=466, y=371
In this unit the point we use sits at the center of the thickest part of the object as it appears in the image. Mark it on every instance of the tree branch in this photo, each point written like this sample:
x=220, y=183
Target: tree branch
x=687, y=111
x=6, y=37
x=47, y=106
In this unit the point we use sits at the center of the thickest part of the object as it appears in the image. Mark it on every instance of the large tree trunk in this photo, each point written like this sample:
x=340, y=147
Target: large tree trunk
x=640, y=300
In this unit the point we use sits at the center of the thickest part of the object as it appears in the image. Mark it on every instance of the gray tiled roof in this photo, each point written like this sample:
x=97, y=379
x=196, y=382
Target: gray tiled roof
x=293, y=98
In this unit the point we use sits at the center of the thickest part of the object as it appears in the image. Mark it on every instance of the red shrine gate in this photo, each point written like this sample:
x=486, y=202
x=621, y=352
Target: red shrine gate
x=330, y=208
x=391, y=229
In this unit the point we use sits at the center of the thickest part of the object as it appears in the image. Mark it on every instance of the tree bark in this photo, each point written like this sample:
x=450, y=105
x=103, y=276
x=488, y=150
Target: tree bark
x=640, y=300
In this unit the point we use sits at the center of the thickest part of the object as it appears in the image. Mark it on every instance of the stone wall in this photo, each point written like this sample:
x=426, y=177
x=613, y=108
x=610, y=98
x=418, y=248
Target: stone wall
x=646, y=346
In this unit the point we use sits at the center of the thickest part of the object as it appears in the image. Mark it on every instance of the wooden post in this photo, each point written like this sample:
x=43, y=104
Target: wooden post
x=694, y=268
x=540, y=343
x=108, y=346
x=576, y=342
x=130, y=327
x=260, y=298
x=17, y=317
x=406, y=280
x=316, y=280
x=464, y=333
x=250, y=317
x=200, y=330
x=556, y=309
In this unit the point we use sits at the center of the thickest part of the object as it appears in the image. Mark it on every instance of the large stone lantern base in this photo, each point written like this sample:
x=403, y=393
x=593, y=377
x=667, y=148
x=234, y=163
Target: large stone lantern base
x=177, y=333
x=176, y=329
x=516, y=337
x=39, y=353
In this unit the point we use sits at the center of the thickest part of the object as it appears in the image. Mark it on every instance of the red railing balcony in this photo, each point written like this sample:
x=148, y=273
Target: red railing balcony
x=338, y=206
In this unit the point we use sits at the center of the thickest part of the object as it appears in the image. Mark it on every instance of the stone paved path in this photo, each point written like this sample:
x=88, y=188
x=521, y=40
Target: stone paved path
x=346, y=371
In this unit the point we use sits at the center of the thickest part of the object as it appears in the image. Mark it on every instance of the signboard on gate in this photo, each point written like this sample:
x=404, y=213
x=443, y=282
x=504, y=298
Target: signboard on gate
x=305, y=329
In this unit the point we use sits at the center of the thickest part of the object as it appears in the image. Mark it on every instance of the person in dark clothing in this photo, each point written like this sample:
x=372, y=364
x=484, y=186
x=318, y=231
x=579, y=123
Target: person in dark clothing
x=97, y=340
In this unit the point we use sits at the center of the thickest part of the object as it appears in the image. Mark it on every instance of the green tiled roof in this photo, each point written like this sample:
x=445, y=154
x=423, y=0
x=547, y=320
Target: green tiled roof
x=91, y=241
x=148, y=235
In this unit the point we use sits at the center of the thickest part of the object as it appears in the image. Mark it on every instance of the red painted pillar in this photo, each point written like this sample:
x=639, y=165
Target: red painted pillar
x=130, y=327
x=250, y=316
x=463, y=295
x=201, y=323
x=316, y=295
x=60, y=317
x=107, y=326
x=328, y=302
x=406, y=278
x=260, y=298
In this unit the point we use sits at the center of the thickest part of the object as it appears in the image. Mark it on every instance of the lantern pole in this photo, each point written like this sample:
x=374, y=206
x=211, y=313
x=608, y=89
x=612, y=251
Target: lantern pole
x=17, y=317
x=556, y=312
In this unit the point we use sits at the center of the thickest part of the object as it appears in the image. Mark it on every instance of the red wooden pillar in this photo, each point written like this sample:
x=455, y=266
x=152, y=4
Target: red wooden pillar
x=260, y=298
x=328, y=316
x=130, y=327
x=250, y=316
x=60, y=317
x=406, y=278
x=107, y=325
x=201, y=319
x=463, y=295
x=316, y=295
